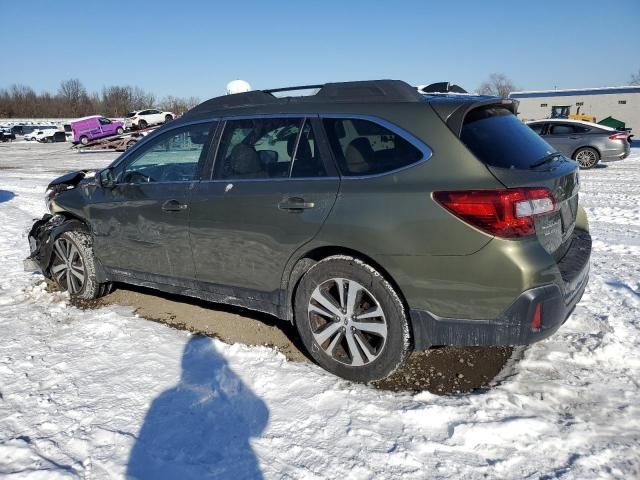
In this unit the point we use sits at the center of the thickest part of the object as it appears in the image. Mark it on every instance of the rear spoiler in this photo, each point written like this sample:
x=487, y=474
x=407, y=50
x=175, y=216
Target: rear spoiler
x=453, y=110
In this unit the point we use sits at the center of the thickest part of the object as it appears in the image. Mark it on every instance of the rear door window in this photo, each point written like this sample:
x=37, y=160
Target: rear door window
x=561, y=129
x=257, y=148
x=363, y=147
x=497, y=138
x=307, y=162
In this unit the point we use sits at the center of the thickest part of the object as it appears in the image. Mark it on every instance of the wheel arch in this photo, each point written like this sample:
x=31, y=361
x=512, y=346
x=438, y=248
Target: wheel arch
x=573, y=154
x=296, y=269
x=70, y=222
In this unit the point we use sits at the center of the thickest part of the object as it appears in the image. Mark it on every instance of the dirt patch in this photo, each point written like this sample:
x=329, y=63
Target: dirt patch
x=449, y=370
x=442, y=371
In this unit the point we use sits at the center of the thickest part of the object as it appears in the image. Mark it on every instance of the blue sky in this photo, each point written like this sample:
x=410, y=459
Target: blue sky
x=187, y=48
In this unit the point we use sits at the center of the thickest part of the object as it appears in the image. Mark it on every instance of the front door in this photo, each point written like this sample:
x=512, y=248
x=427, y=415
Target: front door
x=142, y=223
x=271, y=191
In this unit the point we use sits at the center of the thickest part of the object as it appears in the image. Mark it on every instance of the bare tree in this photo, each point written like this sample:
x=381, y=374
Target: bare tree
x=73, y=100
x=74, y=95
x=178, y=105
x=498, y=84
x=635, y=78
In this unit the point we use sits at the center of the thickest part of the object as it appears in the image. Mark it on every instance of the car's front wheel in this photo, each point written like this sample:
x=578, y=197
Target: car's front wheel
x=586, y=157
x=351, y=320
x=73, y=266
x=120, y=131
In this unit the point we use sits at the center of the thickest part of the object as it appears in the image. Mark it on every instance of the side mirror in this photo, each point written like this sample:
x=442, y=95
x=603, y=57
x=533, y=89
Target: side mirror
x=105, y=178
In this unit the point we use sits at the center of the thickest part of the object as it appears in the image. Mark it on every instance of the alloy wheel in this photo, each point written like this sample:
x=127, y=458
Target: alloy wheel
x=68, y=267
x=347, y=322
x=586, y=158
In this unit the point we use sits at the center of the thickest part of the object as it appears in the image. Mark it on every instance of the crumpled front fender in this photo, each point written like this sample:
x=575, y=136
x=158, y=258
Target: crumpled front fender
x=42, y=235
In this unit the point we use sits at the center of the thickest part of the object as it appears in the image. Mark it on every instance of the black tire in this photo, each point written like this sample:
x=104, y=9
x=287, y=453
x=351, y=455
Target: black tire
x=386, y=351
x=49, y=140
x=77, y=275
x=142, y=124
x=586, y=157
x=84, y=140
x=167, y=118
x=120, y=131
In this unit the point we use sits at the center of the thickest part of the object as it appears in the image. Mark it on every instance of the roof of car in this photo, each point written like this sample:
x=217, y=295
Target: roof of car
x=373, y=91
x=571, y=120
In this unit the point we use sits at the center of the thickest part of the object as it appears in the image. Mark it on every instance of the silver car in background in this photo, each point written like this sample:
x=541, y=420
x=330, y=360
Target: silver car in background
x=587, y=143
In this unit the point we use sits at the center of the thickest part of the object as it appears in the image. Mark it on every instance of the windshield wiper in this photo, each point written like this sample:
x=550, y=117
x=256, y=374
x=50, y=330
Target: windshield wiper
x=547, y=159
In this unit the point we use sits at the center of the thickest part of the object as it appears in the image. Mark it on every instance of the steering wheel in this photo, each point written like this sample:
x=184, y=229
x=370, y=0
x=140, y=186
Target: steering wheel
x=135, y=176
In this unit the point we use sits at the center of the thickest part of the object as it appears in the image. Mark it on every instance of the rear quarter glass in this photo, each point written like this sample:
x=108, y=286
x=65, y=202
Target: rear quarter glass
x=497, y=138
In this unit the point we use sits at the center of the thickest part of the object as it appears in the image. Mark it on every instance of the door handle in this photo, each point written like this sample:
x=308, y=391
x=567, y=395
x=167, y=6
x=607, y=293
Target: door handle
x=173, y=206
x=295, y=204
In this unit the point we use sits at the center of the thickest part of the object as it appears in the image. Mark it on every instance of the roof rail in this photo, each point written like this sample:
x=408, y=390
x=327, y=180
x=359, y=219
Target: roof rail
x=442, y=87
x=291, y=89
x=376, y=91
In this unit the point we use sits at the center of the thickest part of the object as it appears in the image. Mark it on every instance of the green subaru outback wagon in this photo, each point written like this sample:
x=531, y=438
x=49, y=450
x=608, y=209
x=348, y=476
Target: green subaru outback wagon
x=377, y=219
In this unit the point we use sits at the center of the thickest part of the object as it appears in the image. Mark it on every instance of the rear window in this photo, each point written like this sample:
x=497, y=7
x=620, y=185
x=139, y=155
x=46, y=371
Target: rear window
x=496, y=137
x=130, y=114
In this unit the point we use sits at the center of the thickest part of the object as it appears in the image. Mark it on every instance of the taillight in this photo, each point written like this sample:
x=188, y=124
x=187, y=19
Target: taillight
x=507, y=213
x=618, y=136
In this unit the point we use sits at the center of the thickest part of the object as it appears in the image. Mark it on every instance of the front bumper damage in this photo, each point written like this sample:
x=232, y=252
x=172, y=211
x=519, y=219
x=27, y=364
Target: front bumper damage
x=41, y=237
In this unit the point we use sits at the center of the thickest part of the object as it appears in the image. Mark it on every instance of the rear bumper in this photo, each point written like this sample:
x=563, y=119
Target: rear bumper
x=513, y=327
x=619, y=155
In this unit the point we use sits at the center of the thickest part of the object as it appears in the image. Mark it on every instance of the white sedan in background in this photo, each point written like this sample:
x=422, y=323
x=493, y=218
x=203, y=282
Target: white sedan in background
x=40, y=133
x=146, y=118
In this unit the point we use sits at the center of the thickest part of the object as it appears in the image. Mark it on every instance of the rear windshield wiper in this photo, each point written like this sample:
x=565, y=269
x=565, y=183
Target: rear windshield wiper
x=546, y=159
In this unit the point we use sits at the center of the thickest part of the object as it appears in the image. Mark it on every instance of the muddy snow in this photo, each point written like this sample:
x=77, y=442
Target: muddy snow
x=103, y=393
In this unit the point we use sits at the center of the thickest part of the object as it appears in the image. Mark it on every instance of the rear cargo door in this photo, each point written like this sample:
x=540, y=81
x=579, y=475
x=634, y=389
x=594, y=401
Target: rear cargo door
x=518, y=157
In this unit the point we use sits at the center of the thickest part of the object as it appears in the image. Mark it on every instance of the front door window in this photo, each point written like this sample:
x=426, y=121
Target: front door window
x=171, y=157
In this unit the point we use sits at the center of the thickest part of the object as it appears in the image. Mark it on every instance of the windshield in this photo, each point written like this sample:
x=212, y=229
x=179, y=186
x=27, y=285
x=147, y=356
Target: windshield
x=496, y=137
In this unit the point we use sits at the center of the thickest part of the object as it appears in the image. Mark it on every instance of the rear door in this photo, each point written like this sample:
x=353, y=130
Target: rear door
x=141, y=225
x=271, y=190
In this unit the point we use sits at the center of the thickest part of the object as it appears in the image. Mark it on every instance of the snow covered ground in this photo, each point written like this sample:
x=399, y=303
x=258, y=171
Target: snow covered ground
x=102, y=393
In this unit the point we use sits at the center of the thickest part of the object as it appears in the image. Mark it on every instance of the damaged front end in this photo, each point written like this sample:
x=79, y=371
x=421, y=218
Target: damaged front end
x=44, y=231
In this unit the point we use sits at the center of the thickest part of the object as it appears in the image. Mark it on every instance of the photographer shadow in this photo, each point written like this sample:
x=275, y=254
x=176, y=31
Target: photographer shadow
x=202, y=427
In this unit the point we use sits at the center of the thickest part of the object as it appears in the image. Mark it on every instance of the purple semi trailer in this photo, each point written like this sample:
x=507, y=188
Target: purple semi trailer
x=90, y=128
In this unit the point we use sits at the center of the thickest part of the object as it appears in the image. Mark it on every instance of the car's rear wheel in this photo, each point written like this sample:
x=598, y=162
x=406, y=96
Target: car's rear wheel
x=73, y=266
x=586, y=157
x=168, y=118
x=84, y=140
x=142, y=124
x=351, y=320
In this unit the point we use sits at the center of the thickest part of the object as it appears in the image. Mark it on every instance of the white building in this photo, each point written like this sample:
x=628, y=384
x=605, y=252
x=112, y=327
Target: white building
x=621, y=103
